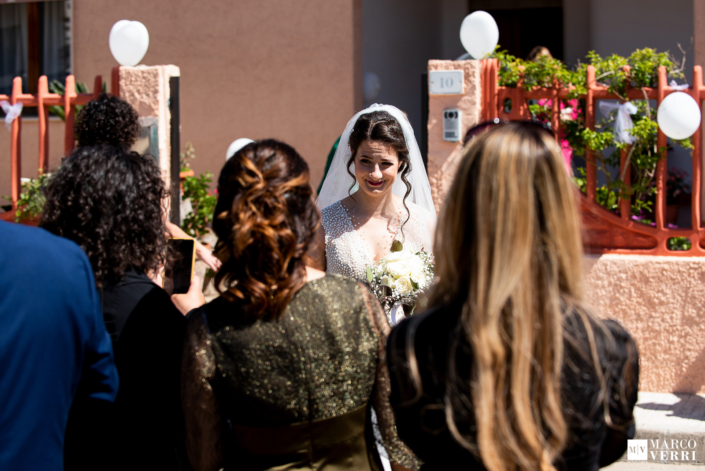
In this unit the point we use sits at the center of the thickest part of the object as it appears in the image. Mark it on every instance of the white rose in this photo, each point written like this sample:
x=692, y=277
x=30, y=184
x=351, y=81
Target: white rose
x=400, y=268
x=406, y=266
x=395, y=256
x=387, y=281
x=416, y=264
x=403, y=285
x=400, y=265
x=419, y=276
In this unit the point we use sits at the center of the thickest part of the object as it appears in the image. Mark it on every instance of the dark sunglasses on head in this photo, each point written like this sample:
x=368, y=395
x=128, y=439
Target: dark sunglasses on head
x=489, y=125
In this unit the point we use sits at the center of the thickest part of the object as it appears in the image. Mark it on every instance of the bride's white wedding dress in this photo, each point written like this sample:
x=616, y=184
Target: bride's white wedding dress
x=349, y=254
x=347, y=251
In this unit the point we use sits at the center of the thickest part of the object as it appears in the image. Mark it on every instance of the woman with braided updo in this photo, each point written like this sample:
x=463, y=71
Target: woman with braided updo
x=280, y=370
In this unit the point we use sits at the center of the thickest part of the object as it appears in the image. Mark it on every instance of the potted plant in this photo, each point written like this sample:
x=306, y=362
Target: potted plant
x=199, y=195
x=31, y=201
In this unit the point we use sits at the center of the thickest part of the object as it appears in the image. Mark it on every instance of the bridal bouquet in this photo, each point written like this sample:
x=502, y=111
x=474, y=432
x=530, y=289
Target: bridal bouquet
x=399, y=278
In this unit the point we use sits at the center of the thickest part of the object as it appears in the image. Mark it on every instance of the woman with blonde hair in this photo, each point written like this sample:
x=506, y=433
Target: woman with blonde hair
x=508, y=369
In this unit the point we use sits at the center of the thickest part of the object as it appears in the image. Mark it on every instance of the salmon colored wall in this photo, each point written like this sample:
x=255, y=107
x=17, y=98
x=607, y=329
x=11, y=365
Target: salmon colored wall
x=443, y=156
x=660, y=301
x=252, y=68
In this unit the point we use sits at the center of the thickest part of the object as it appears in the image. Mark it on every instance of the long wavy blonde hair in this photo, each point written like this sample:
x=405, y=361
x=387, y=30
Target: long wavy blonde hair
x=509, y=254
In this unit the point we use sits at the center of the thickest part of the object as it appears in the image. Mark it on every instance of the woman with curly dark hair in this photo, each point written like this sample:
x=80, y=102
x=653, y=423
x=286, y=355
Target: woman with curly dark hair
x=111, y=120
x=280, y=369
x=109, y=201
x=107, y=120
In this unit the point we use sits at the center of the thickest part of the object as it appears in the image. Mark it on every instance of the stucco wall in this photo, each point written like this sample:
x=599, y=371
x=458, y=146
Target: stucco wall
x=661, y=301
x=621, y=26
x=251, y=68
x=443, y=156
x=146, y=88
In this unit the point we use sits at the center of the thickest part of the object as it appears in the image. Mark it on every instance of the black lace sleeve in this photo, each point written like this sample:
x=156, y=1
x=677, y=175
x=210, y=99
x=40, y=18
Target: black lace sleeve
x=201, y=408
x=398, y=452
x=622, y=378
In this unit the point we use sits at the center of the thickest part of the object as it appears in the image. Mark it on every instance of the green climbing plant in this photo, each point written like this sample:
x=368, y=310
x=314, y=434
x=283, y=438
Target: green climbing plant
x=197, y=190
x=612, y=72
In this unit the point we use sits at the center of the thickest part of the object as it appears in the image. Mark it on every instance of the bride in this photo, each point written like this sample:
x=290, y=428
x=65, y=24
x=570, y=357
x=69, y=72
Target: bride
x=376, y=192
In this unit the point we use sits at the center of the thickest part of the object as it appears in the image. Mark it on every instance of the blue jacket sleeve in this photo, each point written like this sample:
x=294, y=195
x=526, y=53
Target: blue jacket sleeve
x=99, y=371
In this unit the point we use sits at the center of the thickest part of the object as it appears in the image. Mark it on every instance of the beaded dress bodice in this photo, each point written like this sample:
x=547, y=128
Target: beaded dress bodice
x=347, y=252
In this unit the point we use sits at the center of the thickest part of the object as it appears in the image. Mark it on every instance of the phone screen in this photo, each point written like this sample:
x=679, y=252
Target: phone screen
x=180, y=270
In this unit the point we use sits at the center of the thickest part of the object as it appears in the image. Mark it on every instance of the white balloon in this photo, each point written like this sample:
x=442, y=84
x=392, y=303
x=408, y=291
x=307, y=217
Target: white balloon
x=479, y=34
x=128, y=41
x=371, y=85
x=679, y=115
x=236, y=145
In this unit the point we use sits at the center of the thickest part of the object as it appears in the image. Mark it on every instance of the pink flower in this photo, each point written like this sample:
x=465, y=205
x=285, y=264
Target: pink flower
x=567, y=152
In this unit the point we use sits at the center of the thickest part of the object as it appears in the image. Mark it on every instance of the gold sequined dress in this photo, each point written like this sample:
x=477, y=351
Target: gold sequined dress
x=292, y=393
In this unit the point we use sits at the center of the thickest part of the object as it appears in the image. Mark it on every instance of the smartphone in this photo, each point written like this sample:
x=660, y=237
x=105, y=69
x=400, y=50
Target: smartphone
x=179, y=271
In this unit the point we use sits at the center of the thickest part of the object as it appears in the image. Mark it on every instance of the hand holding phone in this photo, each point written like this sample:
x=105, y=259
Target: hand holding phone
x=185, y=303
x=179, y=270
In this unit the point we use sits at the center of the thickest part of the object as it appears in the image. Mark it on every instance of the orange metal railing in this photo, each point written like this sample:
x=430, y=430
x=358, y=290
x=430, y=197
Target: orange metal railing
x=606, y=232
x=42, y=100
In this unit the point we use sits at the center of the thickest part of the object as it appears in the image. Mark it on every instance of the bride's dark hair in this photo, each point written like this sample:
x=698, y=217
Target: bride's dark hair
x=382, y=127
x=265, y=221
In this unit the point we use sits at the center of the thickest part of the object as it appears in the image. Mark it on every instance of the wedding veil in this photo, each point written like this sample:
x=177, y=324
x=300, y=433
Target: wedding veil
x=338, y=181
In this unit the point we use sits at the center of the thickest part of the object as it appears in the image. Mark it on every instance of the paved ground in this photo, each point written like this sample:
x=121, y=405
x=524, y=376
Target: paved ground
x=664, y=418
x=682, y=413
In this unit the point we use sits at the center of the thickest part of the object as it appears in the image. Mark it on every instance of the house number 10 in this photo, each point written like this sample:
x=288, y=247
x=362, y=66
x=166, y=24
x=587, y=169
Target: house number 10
x=445, y=82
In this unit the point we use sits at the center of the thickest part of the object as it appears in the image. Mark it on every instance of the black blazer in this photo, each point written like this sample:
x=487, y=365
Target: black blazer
x=421, y=420
x=144, y=428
